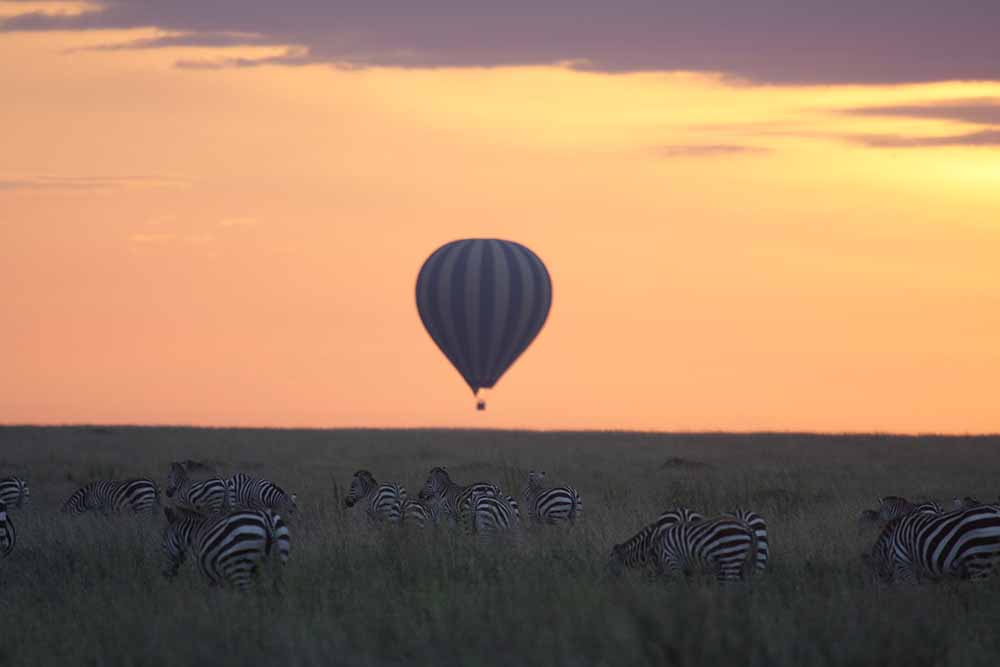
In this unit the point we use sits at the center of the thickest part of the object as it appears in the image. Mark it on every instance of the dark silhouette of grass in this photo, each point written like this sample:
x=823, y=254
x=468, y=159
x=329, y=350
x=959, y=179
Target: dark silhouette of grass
x=88, y=591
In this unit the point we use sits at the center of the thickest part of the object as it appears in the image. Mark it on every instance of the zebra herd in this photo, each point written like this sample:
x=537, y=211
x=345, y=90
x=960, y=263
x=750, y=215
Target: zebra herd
x=229, y=526
x=483, y=507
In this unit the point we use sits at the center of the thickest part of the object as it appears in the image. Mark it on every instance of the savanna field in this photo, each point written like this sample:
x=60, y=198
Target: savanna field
x=89, y=591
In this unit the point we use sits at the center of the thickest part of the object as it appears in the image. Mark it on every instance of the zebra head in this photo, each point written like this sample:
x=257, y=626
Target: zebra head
x=177, y=536
x=76, y=503
x=968, y=502
x=536, y=478
x=361, y=485
x=175, y=479
x=437, y=481
x=878, y=563
x=617, y=559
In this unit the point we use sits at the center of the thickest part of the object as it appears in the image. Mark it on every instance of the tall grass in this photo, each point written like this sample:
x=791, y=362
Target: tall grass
x=88, y=591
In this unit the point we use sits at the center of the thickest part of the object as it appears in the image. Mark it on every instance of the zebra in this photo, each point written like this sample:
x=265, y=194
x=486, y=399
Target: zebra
x=137, y=495
x=922, y=545
x=893, y=507
x=759, y=527
x=210, y=495
x=14, y=492
x=385, y=501
x=421, y=512
x=246, y=492
x=637, y=551
x=965, y=503
x=492, y=513
x=8, y=538
x=228, y=547
x=553, y=504
x=725, y=547
x=454, y=498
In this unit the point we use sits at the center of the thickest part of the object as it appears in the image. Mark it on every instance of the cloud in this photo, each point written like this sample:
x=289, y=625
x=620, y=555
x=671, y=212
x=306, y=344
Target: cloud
x=86, y=183
x=982, y=110
x=809, y=41
x=984, y=138
x=709, y=150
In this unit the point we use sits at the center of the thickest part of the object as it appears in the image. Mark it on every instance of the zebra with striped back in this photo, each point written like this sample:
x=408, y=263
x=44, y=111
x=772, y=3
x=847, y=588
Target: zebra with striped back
x=228, y=547
x=14, y=492
x=454, y=499
x=136, y=495
x=8, y=538
x=246, y=492
x=725, y=547
x=210, y=495
x=924, y=545
x=759, y=527
x=385, y=501
x=637, y=551
x=491, y=513
x=552, y=504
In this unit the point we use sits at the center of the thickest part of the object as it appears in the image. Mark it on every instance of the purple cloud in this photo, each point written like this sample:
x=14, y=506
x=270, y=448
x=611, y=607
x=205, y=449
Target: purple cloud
x=809, y=41
x=984, y=138
x=709, y=150
x=982, y=111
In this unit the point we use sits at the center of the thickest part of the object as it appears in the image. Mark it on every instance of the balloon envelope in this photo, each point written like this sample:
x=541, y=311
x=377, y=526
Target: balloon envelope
x=483, y=301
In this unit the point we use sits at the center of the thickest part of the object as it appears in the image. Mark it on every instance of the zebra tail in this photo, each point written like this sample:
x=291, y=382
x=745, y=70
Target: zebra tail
x=577, y=509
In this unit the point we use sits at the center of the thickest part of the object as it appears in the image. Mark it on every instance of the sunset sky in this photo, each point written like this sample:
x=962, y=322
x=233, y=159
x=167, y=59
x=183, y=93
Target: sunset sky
x=755, y=217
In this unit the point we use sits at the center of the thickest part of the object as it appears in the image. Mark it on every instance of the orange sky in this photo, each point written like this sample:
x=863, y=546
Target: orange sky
x=239, y=246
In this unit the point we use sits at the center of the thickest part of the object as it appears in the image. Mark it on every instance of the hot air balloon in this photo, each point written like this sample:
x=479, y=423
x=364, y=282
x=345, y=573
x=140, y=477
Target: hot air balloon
x=483, y=301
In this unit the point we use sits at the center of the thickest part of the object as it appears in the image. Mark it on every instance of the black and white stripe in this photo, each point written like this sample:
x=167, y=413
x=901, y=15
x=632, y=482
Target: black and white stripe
x=483, y=301
x=137, y=495
x=925, y=545
x=385, y=501
x=246, y=492
x=550, y=504
x=14, y=492
x=421, y=513
x=492, y=513
x=725, y=547
x=8, y=538
x=454, y=499
x=210, y=495
x=759, y=527
x=893, y=507
x=228, y=547
x=638, y=550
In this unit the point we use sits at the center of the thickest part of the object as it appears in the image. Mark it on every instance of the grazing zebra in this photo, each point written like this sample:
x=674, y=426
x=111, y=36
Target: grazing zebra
x=893, y=507
x=454, y=498
x=491, y=513
x=228, y=547
x=385, y=501
x=923, y=545
x=421, y=512
x=137, y=495
x=759, y=527
x=248, y=492
x=8, y=538
x=637, y=551
x=210, y=495
x=965, y=503
x=725, y=547
x=550, y=504
x=14, y=492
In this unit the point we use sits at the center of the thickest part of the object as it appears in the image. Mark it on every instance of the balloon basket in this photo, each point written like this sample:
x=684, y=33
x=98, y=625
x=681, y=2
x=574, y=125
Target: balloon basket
x=480, y=405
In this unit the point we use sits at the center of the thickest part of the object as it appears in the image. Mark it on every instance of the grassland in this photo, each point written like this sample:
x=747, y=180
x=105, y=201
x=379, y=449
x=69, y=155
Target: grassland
x=88, y=591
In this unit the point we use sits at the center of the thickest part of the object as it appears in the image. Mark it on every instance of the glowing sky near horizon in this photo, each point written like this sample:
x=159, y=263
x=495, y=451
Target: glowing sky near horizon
x=203, y=229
